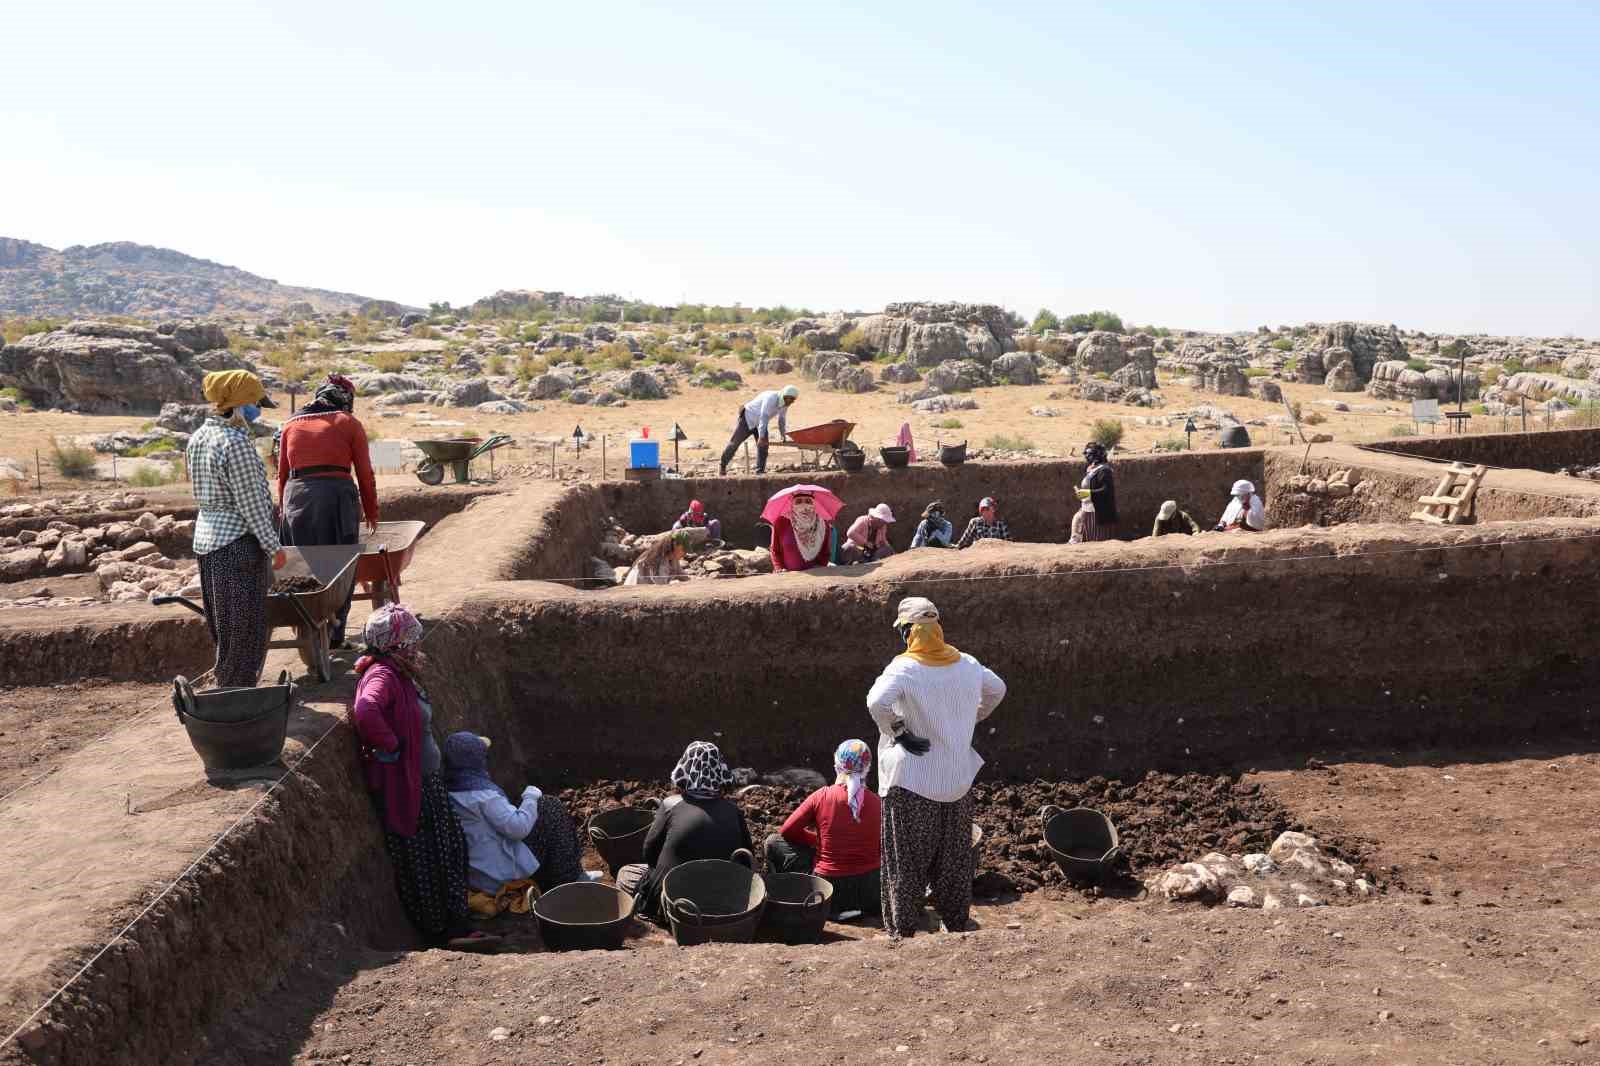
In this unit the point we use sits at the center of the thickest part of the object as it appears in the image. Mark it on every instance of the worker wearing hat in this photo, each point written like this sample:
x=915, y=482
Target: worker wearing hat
x=755, y=420
x=696, y=518
x=235, y=537
x=927, y=704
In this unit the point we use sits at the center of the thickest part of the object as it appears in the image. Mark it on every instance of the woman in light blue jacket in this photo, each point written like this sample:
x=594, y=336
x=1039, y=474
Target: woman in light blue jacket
x=514, y=852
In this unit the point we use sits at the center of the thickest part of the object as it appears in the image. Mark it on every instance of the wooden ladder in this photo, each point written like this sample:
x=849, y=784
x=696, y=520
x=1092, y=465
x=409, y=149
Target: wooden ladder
x=1451, y=502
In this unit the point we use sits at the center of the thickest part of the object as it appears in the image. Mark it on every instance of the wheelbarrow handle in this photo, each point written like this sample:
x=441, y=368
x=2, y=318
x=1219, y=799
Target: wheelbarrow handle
x=182, y=601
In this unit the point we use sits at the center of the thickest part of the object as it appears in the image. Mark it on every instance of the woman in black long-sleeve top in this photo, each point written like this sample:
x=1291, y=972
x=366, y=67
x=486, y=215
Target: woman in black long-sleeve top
x=703, y=825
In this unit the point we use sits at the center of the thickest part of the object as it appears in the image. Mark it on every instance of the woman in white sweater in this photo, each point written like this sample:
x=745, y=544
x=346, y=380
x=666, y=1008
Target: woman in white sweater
x=927, y=704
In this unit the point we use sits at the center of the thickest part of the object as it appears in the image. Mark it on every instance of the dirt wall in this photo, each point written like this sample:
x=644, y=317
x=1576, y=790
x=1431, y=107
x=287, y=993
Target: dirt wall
x=1036, y=498
x=117, y=643
x=1219, y=651
x=310, y=857
x=1546, y=450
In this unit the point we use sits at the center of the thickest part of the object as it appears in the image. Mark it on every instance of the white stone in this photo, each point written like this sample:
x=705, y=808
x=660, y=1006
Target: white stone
x=1243, y=896
x=1189, y=881
x=1290, y=842
x=1269, y=902
x=1363, y=886
x=1303, y=900
x=1258, y=864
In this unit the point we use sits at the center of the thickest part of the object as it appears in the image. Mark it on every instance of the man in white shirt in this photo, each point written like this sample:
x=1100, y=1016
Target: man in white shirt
x=755, y=420
x=927, y=704
x=1244, y=512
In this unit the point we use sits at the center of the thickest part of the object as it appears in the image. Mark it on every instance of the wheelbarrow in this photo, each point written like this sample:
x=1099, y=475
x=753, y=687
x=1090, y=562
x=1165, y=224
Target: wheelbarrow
x=384, y=555
x=828, y=440
x=311, y=613
x=458, y=453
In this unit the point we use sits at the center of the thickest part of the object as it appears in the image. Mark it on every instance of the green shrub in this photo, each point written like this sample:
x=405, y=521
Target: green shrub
x=729, y=386
x=1291, y=365
x=1420, y=365
x=71, y=461
x=388, y=362
x=855, y=342
x=1513, y=365
x=1283, y=344
x=746, y=355
x=1314, y=418
x=1256, y=372
x=1172, y=444
x=947, y=423
x=149, y=477
x=1045, y=319
x=164, y=444
x=1089, y=320
x=1007, y=442
x=14, y=394
x=1106, y=431
x=1402, y=429
x=530, y=366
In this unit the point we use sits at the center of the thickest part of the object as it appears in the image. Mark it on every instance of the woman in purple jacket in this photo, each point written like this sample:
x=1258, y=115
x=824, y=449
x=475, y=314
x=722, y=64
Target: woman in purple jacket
x=393, y=721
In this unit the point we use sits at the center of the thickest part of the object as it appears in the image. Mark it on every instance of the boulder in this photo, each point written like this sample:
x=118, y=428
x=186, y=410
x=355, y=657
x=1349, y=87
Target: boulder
x=580, y=396
x=19, y=564
x=411, y=318
x=825, y=366
x=961, y=375
x=927, y=334
x=195, y=336
x=1189, y=882
x=641, y=385
x=501, y=407
x=1016, y=368
x=100, y=368
x=772, y=365
x=1367, y=344
x=1288, y=843
x=823, y=334
x=901, y=373
x=469, y=393
x=1100, y=352
x=1267, y=390
x=368, y=384
x=936, y=405
x=850, y=379
x=716, y=377
x=553, y=383
x=399, y=399
x=1224, y=373
x=1139, y=371
x=1342, y=376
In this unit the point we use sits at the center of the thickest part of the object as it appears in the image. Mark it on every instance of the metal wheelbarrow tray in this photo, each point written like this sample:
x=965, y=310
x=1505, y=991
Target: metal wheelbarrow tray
x=311, y=613
x=384, y=555
x=814, y=441
x=458, y=452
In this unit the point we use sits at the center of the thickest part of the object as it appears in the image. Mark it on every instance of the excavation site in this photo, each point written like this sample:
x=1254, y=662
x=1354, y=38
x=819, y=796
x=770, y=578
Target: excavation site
x=1316, y=794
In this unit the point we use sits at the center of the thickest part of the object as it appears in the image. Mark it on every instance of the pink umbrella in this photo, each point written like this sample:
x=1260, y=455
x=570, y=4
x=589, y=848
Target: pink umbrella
x=828, y=505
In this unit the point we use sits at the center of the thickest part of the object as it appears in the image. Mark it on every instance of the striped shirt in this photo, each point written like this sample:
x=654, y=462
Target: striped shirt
x=943, y=705
x=230, y=484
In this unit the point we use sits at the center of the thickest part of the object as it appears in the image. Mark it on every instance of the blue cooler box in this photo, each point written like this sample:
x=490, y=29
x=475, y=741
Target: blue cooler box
x=644, y=454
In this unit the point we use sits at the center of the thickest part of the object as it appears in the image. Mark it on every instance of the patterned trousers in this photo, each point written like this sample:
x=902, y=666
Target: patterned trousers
x=234, y=581
x=925, y=843
x=430, y=866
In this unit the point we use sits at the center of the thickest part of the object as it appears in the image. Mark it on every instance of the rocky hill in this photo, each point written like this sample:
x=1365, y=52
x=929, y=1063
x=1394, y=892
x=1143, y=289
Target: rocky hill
x=122, y=278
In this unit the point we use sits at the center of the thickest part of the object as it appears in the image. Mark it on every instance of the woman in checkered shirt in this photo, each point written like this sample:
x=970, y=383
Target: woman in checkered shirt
x=235, y=537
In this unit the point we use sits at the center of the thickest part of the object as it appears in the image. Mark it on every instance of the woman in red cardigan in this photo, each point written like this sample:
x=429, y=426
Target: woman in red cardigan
x=834, y=834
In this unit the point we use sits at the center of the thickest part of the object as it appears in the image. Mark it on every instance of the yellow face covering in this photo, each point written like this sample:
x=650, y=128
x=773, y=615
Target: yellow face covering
x=927, y=645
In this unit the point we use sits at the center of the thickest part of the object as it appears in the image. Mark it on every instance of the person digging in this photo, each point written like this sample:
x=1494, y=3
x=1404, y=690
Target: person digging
x=755, y=420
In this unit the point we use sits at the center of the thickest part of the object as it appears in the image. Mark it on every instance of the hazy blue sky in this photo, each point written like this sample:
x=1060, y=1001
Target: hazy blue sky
x=1216, y=166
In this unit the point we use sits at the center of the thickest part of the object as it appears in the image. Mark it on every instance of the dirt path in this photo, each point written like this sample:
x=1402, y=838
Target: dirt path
x=1410, y=978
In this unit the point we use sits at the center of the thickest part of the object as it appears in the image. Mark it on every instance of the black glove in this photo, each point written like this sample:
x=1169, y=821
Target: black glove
x=911, y=742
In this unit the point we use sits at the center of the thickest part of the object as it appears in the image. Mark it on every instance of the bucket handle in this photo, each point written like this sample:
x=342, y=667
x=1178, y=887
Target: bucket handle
x=653, y=802
x=1047, y=812
x=598, y=835
x=813, y=901
x=743, y=857
x=686, y=910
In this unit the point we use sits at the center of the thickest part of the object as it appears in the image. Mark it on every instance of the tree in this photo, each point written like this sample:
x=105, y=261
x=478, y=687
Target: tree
x=1045, y=319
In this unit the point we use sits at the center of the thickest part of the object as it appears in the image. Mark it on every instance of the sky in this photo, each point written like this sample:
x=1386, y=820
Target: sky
x=1203, y=166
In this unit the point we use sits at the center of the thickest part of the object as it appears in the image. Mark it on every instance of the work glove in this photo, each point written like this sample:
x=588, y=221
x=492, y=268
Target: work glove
x=911, y=742
x=531, y=793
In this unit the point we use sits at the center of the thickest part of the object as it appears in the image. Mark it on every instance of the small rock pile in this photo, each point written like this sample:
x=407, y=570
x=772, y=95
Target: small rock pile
x=128, y=557
x=706, y=558
x=1295, y=871
x=82, y=503
x=1342, y=483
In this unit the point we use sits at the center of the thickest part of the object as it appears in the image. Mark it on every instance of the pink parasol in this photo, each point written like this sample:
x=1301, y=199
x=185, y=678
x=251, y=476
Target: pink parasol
x=828, y=505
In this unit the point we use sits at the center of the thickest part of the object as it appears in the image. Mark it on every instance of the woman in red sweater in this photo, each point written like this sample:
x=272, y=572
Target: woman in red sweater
x=834, y=834
x=317, y=449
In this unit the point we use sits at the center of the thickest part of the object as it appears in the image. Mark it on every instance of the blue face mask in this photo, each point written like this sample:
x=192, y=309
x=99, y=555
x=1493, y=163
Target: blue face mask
x=249, y=412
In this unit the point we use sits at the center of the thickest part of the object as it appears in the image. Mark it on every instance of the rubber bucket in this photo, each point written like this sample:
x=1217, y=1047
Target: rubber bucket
x=1082, y=841
x=618, y=835
x=235, y=728
x=895, y=457
x=953, y=454
x=583, y=916
x=713, y=900
x=797, y=907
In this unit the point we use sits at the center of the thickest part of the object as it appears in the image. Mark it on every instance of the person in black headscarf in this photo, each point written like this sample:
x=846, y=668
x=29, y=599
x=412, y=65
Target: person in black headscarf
x=1099, y=521
x=317, y=449
x=704, y=825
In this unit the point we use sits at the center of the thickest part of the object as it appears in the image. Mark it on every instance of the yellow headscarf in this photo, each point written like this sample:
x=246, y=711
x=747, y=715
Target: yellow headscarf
x=232, y=388
x=926, y=645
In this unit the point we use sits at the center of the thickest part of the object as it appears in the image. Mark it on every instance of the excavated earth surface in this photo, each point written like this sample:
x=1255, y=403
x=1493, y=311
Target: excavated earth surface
x=1162, y=819
x=1487, y=957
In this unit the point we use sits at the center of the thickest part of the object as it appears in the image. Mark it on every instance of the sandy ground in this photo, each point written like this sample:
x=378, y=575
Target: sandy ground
x=1485, y=959
x=706, y=416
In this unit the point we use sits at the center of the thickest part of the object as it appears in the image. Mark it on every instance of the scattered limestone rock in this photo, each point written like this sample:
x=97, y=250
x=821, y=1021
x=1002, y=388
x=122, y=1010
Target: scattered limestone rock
x=1242, y=896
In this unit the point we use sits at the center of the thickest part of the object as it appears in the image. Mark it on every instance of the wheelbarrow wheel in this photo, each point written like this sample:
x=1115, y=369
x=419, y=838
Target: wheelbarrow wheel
x=430, y=473
x=313, y=647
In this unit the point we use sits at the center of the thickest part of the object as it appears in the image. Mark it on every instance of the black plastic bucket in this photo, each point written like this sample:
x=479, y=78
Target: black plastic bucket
x=1082, y=841
x=618, y=835
x=713, y=899
x=797, y=907
x=583, y=916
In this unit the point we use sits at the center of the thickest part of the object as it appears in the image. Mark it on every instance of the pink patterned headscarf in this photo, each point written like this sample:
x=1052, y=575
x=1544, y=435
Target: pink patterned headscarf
x=851, y=761
x=390, y=630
